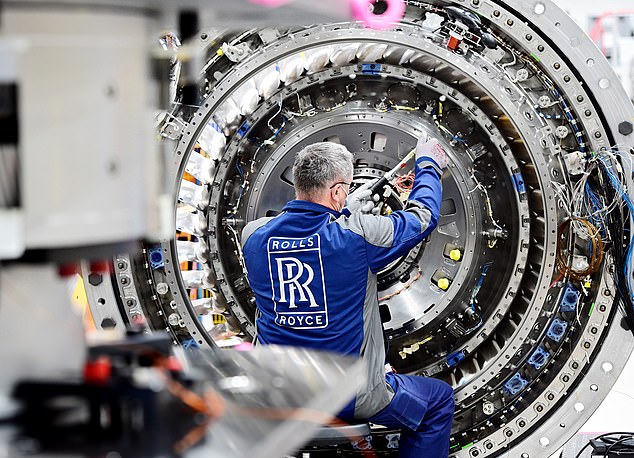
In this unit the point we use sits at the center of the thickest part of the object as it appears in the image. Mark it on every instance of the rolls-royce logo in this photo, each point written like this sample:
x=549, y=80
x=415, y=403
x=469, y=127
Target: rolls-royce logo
x=297, y=281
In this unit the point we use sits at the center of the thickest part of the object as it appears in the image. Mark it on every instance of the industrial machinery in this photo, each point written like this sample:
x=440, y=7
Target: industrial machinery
x=521, y=299
x=80, y=182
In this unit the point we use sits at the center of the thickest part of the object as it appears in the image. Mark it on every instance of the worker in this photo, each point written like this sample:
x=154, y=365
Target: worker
x=313, y=269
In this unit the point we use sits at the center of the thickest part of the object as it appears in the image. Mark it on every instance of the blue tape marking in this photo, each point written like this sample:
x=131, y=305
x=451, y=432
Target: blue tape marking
x=370, y=69
x=539, y=357
x=557, y=329
x=454, y=358
x=156, y=258
x=515, y=384
x=569, y=299
x=518, y=181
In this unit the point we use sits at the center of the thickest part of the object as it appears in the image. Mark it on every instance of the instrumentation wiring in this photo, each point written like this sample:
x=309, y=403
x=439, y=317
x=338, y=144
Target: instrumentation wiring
x=404, y=183
x=563, y=258
x=403, y=288
x=548, y=83
x=479, y=186
x=473, y=299
x=618, y=181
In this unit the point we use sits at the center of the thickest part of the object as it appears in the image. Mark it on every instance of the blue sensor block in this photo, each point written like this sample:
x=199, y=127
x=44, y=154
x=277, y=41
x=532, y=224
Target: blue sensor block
x=515, y=384
x=370, y=69
x=539, y=357
x=557, y=329
x=156, y=258
x=243, y=129
x=569, y=299
x=454, y=358
x=190, y=344
x=518, y=181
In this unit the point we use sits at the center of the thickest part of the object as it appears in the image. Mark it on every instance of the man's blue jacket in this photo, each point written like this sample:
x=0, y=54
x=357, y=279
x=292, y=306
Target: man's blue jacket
x=313, y=271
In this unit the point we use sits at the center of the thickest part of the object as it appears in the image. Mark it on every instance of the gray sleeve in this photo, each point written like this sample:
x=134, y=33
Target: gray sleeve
x=390, y=237
x=253, y=226
x=376, y=230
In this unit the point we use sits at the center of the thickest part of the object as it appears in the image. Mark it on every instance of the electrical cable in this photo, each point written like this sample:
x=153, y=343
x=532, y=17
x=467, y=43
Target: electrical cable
x=597, y=250
x=578, y=455
x=491, y=243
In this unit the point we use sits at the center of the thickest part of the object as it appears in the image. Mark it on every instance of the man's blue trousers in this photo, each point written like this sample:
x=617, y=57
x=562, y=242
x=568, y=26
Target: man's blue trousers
x=423, y=409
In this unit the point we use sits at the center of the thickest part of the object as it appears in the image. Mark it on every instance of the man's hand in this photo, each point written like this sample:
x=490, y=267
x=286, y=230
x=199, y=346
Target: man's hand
x=361, y=199
x=431, y=149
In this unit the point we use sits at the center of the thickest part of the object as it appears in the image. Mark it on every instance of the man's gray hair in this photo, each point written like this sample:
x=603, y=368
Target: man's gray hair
x=320, y=165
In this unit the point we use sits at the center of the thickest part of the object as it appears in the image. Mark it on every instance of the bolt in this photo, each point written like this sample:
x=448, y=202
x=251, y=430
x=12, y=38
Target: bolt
x=550, y=396
x=586, y=345
x=108, y=323
x=597, y=134
x=173, y=319
x=587, y=113
x=95, y=279
x=121, y=265
x=557, y=65
x=565, y=378
x=496, y=13
x=162, y=288
x=626, y=128
x=567, y=79
x=579, y=98
x=124, y=280
x=521, y=423
x=529, y=37
x=130, y=302
x=508, y=433
x=539, y=408
x=540, y=48
x=575, y=365
x=602, y=308
x=510, y=22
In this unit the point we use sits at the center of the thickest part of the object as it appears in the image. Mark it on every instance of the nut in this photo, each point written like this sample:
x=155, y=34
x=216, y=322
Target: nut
x=626, y=128
x=95, y=279
x=108, y=323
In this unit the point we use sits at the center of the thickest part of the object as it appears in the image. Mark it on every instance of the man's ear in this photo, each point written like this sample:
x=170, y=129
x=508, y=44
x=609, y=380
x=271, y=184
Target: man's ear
x=334, y=192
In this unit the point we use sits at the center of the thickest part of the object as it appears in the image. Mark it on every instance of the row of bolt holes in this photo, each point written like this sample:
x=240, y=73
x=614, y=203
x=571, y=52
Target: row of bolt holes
x=539, y=9
x=544, y=441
